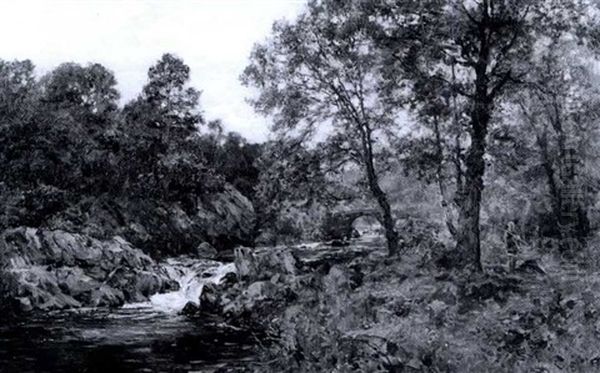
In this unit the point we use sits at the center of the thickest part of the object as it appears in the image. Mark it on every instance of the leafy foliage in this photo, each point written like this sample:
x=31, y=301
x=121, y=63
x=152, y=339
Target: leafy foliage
x=67, y=142
x=318, y=76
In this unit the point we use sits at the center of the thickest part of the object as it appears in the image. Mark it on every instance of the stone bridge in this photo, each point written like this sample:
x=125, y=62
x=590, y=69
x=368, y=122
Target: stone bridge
x=338, y=225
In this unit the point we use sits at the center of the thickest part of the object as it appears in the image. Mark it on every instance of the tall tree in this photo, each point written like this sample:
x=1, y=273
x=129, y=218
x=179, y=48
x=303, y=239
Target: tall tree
x=18, y=89
x=167, y=102
x=486, y=45
x=318, y=76
x=161, y=127
x=433, y=149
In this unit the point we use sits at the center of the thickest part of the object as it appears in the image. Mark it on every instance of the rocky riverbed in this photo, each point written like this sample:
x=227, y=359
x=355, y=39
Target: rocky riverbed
x=83, y=304
x=56, y=325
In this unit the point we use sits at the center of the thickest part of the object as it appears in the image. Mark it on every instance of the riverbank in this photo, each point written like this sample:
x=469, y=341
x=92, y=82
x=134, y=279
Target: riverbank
x=359, y=311
x=142, y=335
x=52, y=269
x=316, y=307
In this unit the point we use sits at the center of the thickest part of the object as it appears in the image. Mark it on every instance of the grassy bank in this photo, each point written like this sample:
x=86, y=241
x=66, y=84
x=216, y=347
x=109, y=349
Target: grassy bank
x=373, y=314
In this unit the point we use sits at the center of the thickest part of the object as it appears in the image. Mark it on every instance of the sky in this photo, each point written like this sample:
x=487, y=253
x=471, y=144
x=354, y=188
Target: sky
x=214, y=37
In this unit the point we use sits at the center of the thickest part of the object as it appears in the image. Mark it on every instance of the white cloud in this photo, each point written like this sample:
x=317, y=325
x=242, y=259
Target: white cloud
x=214, y=37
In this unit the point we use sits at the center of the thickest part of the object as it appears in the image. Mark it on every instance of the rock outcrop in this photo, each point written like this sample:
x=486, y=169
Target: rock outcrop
x=263, y=282
x=223, y=220
x=54, y=269
x=263, y=266
x=228, y=218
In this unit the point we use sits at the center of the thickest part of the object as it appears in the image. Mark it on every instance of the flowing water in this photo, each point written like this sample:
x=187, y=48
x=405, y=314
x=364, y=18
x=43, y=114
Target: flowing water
x=191, y=274
x=142, y=337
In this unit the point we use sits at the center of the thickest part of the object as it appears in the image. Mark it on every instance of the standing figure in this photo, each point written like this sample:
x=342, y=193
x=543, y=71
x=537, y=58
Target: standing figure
x=512, y=247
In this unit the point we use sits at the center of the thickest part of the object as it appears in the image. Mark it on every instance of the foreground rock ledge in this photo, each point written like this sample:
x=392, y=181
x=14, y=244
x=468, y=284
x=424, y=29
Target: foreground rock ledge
x=53, y=269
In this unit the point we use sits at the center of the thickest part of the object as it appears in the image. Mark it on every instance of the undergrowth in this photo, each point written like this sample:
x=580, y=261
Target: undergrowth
x=381, y=315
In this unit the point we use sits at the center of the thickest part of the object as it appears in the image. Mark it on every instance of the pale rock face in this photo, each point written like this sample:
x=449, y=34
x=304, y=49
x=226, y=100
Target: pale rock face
x=106, y=296
x=265, y=266
x=74, y=282
x=245, y=262
x=46, y=270
x=263, y=278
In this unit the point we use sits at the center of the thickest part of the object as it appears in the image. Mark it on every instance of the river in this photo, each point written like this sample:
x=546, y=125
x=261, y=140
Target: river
x=143, y=337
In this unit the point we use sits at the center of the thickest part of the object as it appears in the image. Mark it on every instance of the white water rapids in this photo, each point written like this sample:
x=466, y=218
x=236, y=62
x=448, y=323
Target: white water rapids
x=191, y=274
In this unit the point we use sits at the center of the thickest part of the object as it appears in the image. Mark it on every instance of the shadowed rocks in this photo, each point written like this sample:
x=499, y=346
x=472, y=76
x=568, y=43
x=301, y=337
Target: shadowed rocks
x=46, y=270
x=221, y=219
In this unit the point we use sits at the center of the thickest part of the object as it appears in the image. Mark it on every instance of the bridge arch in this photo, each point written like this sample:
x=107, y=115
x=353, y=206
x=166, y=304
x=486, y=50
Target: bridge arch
x=340, y=225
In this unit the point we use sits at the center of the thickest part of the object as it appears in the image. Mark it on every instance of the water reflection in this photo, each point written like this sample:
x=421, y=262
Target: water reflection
x=123, y=340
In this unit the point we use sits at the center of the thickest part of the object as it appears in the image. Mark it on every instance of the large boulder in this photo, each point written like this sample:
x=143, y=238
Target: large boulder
x=245, y=262
x=106, y=296
x=251, y=266
x=228, y=218
x=210, y=299
x=248, y=300
x=54, y=269
x=74, y=282
x=206, y=251
x=265, y=281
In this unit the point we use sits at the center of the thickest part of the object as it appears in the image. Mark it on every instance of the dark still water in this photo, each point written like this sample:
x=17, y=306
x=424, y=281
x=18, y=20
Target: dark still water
x=122, y=340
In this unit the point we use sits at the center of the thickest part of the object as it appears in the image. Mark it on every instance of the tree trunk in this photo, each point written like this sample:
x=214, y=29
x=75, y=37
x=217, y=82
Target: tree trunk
x=468, y=234
x=468, y=239
x=555, y=198
x=387, y=220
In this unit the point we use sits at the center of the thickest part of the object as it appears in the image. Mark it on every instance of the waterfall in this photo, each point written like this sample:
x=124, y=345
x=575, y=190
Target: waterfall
x=191, y=274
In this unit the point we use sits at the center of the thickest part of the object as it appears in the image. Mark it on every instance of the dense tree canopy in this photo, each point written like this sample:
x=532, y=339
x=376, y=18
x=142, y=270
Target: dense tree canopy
x=345, y=71
x=89, y=93
x=477, y=54
x=66, y=140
